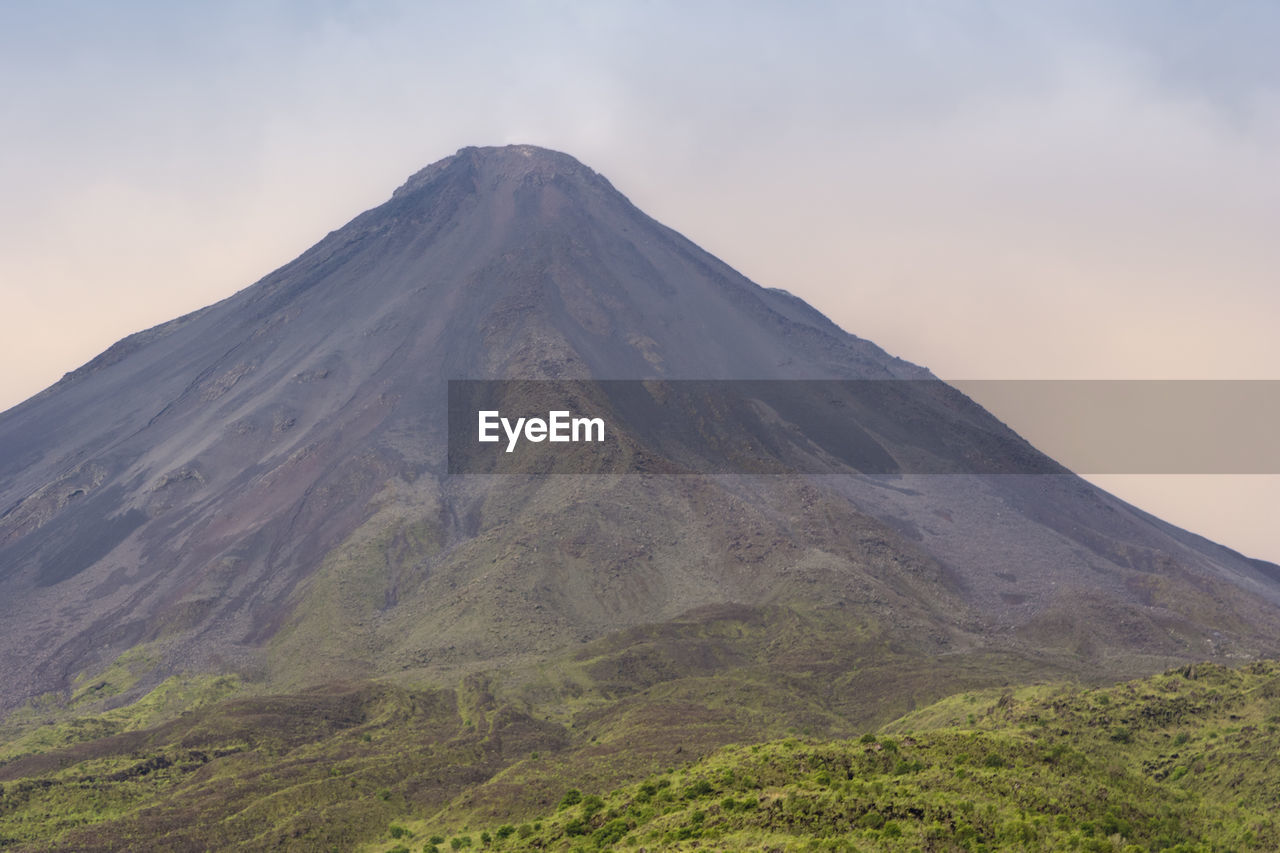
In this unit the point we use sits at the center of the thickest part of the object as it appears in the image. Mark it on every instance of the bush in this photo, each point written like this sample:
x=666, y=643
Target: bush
x=571, y=798
x=611, y=833
x=698, y=789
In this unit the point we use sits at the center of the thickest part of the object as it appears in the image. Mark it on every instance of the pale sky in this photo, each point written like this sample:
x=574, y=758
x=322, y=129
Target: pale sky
x=992, y=189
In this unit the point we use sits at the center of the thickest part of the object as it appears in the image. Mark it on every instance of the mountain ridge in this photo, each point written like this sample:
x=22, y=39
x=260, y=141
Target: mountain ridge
x=259, y=486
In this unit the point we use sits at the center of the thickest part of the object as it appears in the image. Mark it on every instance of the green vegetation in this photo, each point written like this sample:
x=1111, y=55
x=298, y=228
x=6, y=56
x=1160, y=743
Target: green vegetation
x=1185, y=761
x=47, y=724
x=573, y=759
x=314, y=770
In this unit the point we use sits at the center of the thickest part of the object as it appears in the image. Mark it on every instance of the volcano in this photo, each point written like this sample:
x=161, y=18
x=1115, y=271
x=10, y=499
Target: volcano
x=261, y=486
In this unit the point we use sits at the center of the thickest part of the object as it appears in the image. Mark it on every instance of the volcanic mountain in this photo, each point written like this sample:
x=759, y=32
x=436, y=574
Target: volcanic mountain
x=262, y=487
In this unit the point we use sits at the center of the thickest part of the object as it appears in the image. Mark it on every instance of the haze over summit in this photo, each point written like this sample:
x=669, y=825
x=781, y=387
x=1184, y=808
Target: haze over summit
x=1070, y=191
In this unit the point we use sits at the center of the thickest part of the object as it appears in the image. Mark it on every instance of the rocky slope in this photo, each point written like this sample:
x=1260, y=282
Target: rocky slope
x=260, y=487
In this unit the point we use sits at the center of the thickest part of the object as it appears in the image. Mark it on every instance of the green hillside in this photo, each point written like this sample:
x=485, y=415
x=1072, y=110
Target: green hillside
x=1184, y=761
x=566, y=759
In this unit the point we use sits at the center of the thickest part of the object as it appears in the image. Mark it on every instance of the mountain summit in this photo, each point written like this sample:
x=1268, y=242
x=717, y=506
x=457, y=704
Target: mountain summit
x=261, y=487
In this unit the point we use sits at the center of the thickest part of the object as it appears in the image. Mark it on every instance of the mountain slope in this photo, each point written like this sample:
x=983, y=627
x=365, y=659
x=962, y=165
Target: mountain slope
x=260, y=487
x=1181, y=762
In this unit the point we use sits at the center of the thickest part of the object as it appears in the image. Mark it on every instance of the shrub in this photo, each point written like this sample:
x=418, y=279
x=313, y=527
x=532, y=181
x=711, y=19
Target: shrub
x=611, y=833
x=698, y=789
x=591, y=805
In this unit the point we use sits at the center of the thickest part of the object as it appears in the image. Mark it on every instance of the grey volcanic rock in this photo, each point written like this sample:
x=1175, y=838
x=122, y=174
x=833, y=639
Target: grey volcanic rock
x=261, y=485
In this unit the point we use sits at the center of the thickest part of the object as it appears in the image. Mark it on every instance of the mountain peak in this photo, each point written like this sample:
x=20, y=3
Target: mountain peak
x=493, y=165
x=227, y=488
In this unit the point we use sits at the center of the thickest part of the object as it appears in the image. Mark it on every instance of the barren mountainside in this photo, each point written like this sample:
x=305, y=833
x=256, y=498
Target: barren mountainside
x=260, y=487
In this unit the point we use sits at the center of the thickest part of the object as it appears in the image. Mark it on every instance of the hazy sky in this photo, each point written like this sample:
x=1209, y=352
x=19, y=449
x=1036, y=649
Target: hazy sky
x=992, y=189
